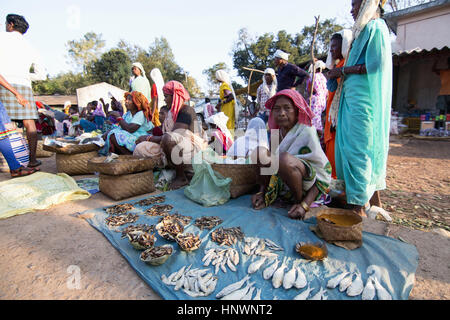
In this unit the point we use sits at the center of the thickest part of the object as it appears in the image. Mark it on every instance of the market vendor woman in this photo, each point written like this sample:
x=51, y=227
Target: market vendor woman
x=304, y=172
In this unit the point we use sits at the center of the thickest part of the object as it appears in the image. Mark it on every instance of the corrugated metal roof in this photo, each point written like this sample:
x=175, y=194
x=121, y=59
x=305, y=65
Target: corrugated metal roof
x=419, y=51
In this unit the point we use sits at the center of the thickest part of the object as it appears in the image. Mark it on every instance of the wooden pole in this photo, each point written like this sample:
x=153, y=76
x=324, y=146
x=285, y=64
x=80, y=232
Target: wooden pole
x=312, y=60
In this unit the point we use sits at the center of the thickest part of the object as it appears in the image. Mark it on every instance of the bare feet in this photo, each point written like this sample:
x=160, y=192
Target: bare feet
x=360, y=211
x=297, y=212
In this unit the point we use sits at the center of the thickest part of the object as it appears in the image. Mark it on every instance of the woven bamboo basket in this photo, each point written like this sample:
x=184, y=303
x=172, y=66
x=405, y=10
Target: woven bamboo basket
x=347, y=225
x=243, y=177
x=72, y=148
x=123, y=165
x=40, y=152
x=127, y=186
x=74, y=164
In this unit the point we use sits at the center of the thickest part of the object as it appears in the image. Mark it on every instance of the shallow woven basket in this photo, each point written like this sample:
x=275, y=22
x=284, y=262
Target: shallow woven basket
x=123, y=165
x=243, y=177
x=334, y=232
x=74, y=164
x=127, y=186
x=72, y=148
x=40, y=152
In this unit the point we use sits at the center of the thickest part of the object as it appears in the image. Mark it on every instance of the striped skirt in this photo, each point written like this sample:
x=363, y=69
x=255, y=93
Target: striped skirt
x=15, y=110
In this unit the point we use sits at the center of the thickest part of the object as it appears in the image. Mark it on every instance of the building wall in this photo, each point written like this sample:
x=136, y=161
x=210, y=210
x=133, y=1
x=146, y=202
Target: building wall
x=417, y=82
x=424, y=30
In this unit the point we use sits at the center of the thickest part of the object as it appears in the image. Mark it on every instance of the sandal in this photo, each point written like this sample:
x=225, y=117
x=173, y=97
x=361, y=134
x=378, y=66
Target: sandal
x=22, y=171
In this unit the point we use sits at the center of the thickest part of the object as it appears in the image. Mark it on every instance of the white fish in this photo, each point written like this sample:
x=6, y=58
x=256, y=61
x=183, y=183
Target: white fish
x=382, y=293
x=254, y=266
x=258, y=295
x=300, y=281
x=346, y=282
x=304, y=295
x=208, y=261
x=195, y=294
x=320, y=295
x=180, y=283
x=230, y=265
x=232, y=287
x=165, y=280
x=267, y=253
x=212, y=286
x=369, y=290
x=222, y=265
x=235, y=256
x=249, y=294
x=357, y=287
x=238, y=294
x=277, y=278
x=334, y=282
x=208, y=254
x=247, y=249
x=171, y=277
x=289, y=277
x=269, y=271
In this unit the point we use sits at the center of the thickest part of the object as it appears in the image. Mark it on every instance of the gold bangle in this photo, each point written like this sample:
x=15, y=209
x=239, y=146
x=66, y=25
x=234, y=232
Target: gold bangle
x=304, y=206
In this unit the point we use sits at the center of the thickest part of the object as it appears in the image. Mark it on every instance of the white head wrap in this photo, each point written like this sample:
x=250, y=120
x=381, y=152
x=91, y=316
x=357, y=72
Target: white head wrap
x=157, y=78
x=255, y=136
x=140, y=67
x=223, y=76
x=282, y=55
x=347, y=37
x=220, y=120
x=319, y=64
x=271, y=92
x=67, y=103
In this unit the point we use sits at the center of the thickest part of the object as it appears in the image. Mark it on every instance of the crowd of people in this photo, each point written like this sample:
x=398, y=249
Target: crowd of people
x=338, y=130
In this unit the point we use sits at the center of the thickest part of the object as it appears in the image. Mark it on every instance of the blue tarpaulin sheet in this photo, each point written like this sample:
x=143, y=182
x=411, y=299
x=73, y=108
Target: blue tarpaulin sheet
x=397, y=260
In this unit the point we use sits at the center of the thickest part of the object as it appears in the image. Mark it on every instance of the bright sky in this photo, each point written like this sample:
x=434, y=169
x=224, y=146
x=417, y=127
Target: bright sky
x=201, y=33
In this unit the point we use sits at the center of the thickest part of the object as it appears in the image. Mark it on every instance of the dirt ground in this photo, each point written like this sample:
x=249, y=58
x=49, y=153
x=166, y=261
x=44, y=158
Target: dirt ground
x=41, y=253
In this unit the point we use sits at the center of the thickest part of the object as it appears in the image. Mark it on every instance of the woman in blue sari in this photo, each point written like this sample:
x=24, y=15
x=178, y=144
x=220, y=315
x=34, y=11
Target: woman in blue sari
x=362, y=114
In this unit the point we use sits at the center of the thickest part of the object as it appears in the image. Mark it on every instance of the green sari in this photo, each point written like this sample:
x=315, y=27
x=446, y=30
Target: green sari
x=362, y=133
x=142, y=85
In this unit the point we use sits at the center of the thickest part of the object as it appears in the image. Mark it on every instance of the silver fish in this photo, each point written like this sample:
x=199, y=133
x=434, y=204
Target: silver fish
x=300, y=281
x=269, y=271
x=289, y=277
x=277, y=278
x=249, y=294
x=334, y=282
x=232, y=287
x=357, y=287
x=320, y=295
x=238, y=294
x=369, y=290
x=382, y=293
x=304, y=295
x=345, y=283
x=254, y=266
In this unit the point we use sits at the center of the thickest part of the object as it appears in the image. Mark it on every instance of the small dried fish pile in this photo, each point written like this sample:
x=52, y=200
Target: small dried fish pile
x=221, y=259
x=159, y=210
x=227, y=236
x=151, y=200
x=195, y=282
x=207, y=222
x=169, y=228
x=272, y=245
x=256, y=246
x=188, y=241
x=119, y=220
x=157, y=255
x=141, y=240
x=137, y=227
x=119, y=209
x=185, y=220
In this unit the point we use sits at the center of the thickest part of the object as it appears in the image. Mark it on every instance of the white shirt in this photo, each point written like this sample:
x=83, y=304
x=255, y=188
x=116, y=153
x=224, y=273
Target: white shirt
x=17, y=56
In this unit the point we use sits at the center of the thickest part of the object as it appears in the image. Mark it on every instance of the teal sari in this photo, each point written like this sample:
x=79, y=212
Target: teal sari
x=142, y=85
x=362, y=137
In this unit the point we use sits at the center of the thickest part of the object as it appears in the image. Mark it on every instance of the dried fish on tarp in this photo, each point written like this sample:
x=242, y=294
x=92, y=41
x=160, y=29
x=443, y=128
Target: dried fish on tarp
x=188, y=241
x=159, y=210
x=119, y=220
x=185, y=220
x=221, y=259
x=141, y=240
x=169, y=228
x=119, y=209
x=137, y=227
x=157, y=255
x=207, y=222
x=194, y=282
x=150, y=201
x=227, y=236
